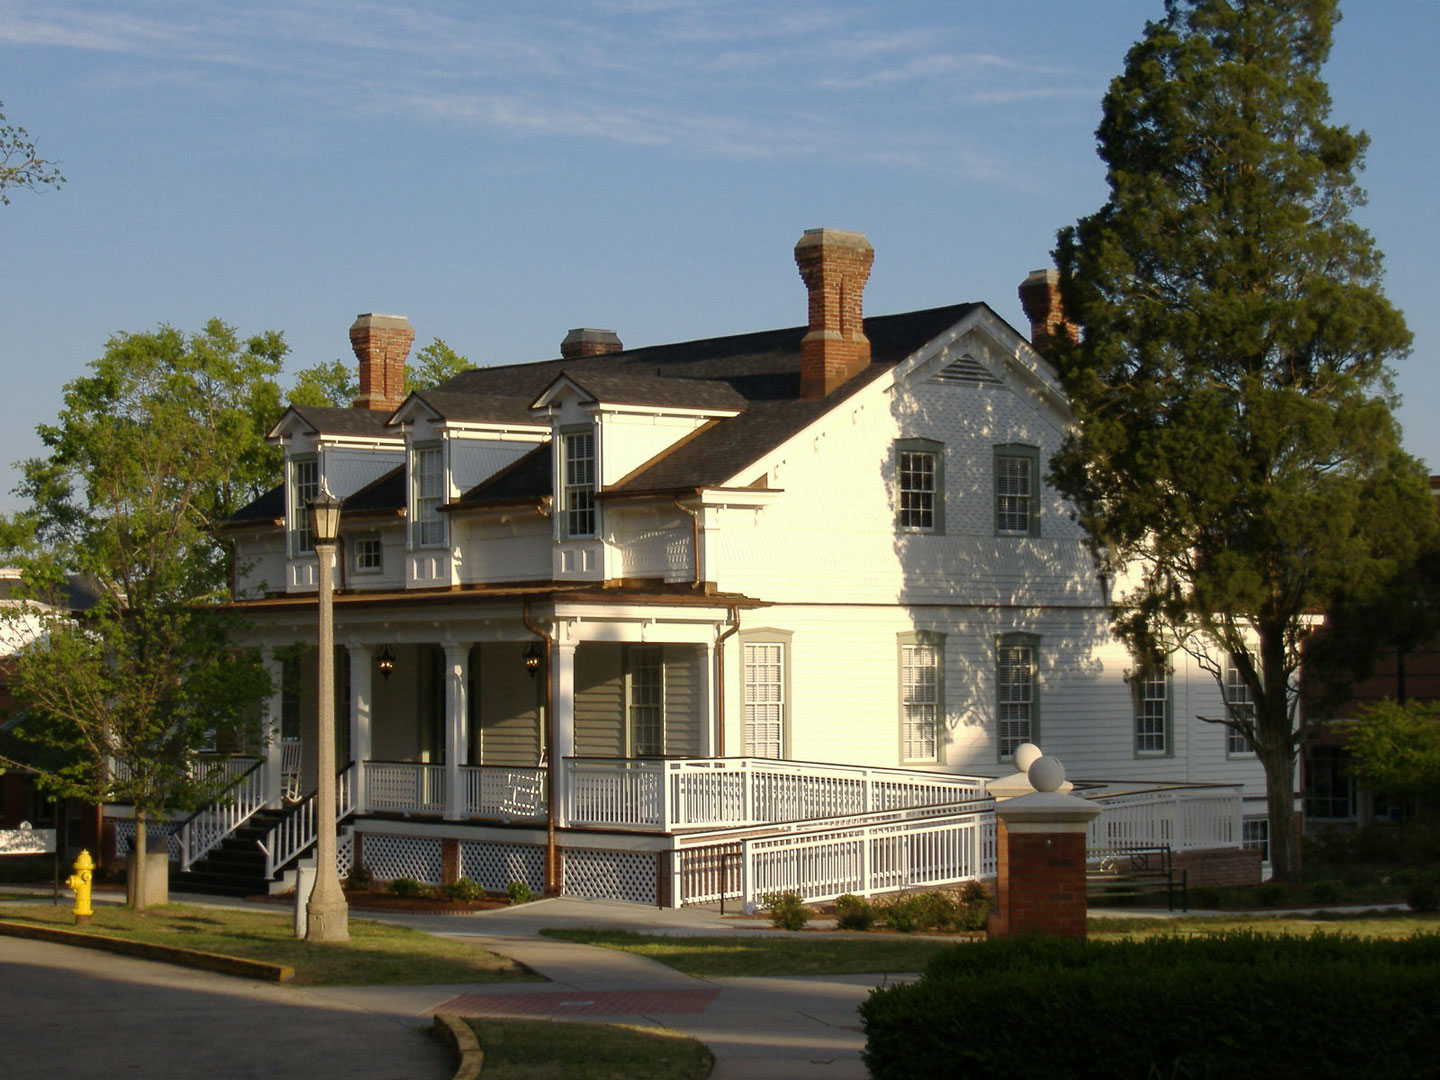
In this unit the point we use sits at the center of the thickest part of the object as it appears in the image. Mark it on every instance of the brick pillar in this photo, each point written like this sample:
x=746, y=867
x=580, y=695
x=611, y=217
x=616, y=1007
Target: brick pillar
x=449, y=860
x=1040, y=861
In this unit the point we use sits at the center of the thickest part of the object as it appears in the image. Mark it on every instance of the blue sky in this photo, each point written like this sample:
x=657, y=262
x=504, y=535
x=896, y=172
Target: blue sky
x=501, y=172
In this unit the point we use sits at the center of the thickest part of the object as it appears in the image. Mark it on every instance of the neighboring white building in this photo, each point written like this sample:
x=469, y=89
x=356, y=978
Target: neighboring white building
x=590, y=577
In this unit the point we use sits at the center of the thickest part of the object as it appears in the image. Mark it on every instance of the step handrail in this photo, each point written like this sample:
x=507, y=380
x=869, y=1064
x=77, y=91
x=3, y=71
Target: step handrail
x=295, y=832
x=207, y=827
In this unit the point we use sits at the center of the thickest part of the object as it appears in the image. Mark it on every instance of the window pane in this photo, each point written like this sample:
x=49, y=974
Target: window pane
x=764, y=699
x=429, y=481
x=1012, y=494
x=917, y=490
x=1242, y=706
x=1015, y=704
x=647, y=697
x=920, y=701
x=305, y=485
x=1151, y=707
x=578, y=490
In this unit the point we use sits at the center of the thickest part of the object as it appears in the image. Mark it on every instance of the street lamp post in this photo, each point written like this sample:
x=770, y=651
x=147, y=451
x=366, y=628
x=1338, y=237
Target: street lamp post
x=326, y=913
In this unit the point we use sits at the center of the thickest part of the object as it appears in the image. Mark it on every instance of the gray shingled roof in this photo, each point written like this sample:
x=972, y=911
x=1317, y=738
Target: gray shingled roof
x=332, y=421
x=479, y=408
x=633, y=388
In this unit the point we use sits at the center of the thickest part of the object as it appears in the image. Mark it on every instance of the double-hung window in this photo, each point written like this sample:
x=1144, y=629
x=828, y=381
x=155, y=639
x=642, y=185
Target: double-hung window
x=1017, y=490
x=1239, y=705
x=647, y=700
x=304, y=486
x=369, y=554
x=919, y=485
x=765, y=699
x=922, y=695
x=1017, y=704
x=427, y=480
x=1151, y=689
x=577, y=483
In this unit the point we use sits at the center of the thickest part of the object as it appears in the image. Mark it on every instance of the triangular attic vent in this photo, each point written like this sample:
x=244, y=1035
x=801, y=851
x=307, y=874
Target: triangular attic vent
x=965, y=372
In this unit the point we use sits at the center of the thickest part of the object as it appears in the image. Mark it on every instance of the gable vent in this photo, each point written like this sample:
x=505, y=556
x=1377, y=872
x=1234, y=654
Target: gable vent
x=965, y=372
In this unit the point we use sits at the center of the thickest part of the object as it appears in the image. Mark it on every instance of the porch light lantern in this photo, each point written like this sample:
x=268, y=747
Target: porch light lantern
x=532, y=660
x=386, y=663
x=327, y=915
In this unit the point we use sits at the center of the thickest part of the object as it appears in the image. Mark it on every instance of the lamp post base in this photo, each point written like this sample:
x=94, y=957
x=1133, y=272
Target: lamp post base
x=327, y=921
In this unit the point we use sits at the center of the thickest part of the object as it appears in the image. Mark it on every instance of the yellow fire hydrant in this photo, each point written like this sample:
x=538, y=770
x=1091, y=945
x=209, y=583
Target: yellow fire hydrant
x=79, y=881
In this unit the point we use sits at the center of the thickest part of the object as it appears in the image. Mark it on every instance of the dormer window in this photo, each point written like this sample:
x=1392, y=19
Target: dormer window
x=304, y=486
x=577, y=483
x=427, y=487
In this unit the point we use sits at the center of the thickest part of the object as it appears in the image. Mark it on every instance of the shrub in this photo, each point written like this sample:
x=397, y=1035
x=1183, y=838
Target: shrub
x=786, y=911
x=517, y=892
x=1421, y=888
x=462, y=889
x=1272, y=893
x=1205, y=896
x=407, y=887
x=359, y=879
x=974, y=906
x=1326, y=892
x=1163, y=1007
x=939, y=910
x=854, y=912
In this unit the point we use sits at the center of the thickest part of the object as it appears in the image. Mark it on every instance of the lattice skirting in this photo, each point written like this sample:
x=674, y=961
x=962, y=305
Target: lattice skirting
x=390, y=857
x=609, y=875
x=344, y=854
x=494, y=866
x=157, y=838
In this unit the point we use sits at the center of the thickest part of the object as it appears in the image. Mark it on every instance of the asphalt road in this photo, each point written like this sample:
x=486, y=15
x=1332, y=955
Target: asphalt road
x=78, y=1013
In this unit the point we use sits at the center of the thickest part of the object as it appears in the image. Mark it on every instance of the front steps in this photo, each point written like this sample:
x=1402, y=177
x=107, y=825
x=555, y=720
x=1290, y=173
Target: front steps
x=236, y=867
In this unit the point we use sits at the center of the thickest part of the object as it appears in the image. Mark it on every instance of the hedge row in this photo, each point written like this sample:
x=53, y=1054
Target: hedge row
x=1228, y=1006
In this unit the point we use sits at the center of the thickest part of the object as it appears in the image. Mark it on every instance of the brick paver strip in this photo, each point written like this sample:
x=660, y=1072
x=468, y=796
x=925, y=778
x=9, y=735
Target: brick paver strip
x=579, y=1003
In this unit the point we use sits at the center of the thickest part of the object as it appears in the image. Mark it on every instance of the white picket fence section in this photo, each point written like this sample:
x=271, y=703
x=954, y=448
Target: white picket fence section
x=205, y=829
x=296, y=831
x=1184, y=818
x=664, y=795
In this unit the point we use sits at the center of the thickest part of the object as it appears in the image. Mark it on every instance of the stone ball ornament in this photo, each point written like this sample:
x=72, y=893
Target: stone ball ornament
x=1026, y=754
x=1046, y=773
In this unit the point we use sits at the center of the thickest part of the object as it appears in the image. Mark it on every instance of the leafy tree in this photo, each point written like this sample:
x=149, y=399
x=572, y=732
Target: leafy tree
x=333, y=385
x=163, y=439
x=434, y=364
x=21, y=165
x=1395, y=748
x=1235, y=463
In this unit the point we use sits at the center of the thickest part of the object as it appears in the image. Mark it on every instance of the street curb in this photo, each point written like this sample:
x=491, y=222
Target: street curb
x=462, y=1040
x=144, y=950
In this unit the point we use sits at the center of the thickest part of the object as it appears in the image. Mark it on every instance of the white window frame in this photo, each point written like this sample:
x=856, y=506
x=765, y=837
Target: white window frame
x=427, y=494
x=764, y=694
x=1153, y=690
x=304, y=485
x=368, y=553
x=1017, y=700
x=1017, y=511
x=919, y=486
x=922, y=696
x=645, y=701
x=579, y=468
x=1255, y=833
x=1237, y=699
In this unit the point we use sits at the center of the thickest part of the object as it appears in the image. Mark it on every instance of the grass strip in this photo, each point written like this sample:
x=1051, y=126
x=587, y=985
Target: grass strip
x=742, y=955
x=376, y=954
x=1366, y=924
x=567, y=1050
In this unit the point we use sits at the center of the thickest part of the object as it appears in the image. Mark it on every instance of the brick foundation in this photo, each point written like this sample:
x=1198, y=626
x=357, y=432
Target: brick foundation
x=1219, y=866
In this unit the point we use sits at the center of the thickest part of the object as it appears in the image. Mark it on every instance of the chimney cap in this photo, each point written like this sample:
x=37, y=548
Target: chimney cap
x=375, y=318
x=827, y=237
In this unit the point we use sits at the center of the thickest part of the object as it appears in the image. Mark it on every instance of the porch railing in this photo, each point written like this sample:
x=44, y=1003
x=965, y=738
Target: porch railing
x=295, y=832
x=245, y=795
x=1149, y=815
x=879, y=852
x=663, y=795
x=405, y=787
x=497, y=791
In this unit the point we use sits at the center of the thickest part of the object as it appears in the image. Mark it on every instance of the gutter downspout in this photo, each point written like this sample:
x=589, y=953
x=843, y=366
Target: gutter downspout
x=551, y=885
x=720, y=679
x=694, y=539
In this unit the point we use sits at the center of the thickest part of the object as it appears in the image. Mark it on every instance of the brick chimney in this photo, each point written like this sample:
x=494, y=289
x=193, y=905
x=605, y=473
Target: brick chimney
x=1040, y=297
x=583, y=341
x=381, y=343
x=834, y=266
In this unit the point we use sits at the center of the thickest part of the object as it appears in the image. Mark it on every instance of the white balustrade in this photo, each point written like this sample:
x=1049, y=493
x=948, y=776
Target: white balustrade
x=296, y=830
x=1182, y=818
x=245, y=795
x=405, y=787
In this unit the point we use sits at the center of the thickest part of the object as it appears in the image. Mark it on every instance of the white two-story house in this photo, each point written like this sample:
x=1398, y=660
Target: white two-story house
x=593, y=612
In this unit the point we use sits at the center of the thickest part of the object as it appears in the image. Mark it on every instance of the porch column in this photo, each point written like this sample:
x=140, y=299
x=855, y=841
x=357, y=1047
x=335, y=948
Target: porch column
x=457, y=678
x=362, y=670
x=274, y=752
x=710, y=719
x=562, y=692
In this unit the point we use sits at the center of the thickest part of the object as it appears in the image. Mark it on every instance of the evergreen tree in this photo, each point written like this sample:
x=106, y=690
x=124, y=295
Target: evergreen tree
x=1235, y=462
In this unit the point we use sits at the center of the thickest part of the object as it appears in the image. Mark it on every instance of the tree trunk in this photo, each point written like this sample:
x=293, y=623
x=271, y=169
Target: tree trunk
x=142, y=838
x=1273, y=722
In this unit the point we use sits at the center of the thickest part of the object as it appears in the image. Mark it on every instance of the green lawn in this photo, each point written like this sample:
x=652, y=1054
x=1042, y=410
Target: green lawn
x=707, y=957
x=1397, y=924
x=376, y=954
x=565, y=1050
